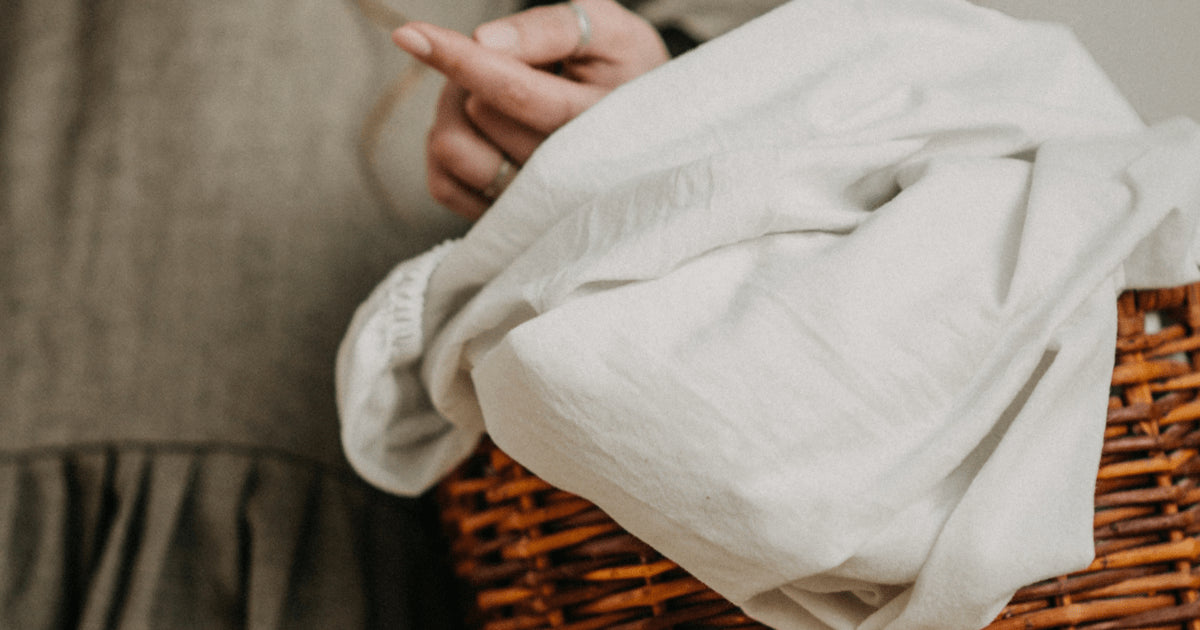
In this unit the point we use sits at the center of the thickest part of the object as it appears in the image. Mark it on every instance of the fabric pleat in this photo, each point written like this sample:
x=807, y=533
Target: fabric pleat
x=143, y=537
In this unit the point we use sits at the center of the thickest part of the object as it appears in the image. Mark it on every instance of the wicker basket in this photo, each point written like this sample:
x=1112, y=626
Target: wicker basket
x=538, y=557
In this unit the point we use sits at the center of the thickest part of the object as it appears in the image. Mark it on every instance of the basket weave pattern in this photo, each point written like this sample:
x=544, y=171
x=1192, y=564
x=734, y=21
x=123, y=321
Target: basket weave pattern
x=1147, y=498
x=538, y=557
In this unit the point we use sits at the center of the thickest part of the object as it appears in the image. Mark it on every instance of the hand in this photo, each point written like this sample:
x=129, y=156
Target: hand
x=501, y=101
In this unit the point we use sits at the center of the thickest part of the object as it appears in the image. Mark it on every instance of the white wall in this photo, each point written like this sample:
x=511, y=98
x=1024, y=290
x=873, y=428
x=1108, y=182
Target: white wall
x=1150, y=48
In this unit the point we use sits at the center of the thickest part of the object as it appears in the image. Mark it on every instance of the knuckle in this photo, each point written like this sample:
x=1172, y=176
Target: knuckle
x=474, y=109
x=441, y=189
x=443, y=146
x=563, y=112
x=517, y=94
x=634, y=34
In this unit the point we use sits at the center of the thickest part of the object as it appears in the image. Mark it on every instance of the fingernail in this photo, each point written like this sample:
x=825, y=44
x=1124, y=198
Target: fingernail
x=412, y=41
x=497, y=36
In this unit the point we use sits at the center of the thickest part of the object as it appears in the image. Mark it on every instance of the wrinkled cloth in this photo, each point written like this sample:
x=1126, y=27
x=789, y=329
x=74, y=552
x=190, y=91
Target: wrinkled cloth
x=824, y=311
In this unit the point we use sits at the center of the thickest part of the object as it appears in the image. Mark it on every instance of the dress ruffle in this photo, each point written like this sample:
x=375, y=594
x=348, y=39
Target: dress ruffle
x=138, y=536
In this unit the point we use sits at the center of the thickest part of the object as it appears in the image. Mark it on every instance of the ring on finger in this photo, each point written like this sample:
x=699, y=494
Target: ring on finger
x=504, y=176
x=585, y=27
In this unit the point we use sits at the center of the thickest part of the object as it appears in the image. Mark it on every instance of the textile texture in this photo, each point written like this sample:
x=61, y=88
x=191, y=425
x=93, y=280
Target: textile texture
x=180, y=537
x=185, y=228
x=832, y=332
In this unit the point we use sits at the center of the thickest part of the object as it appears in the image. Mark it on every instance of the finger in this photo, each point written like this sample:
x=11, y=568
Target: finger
x=513, y=138
x=465, y=155
x=536, y=36
x=457, y=158
x=552, y=33
x=600, y=41
x=456, y=147
x=538, y=99
x=454, y=195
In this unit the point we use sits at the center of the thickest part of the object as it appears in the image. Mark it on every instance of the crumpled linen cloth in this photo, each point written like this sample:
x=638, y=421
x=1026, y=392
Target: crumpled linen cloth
x=824, y=311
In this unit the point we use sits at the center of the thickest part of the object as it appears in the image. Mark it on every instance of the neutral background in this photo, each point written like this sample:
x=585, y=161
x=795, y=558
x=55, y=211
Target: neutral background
x=1150, y=48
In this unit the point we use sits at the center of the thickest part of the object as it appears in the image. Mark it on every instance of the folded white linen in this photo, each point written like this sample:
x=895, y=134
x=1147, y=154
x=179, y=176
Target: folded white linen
x=824, y=311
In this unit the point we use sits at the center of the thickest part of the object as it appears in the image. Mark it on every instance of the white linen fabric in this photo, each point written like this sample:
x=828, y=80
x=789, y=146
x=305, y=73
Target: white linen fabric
x=823, y=310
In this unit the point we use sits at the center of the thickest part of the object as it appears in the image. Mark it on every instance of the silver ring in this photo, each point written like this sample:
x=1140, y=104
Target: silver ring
x=504, y=176
x=585, y=27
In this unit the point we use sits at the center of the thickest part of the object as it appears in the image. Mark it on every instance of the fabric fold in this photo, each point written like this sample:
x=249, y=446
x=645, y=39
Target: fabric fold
x=171, y=537
x=809, y=334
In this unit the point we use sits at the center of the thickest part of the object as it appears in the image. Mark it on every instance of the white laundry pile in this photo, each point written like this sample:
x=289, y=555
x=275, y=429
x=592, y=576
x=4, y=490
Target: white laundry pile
x=824, y=311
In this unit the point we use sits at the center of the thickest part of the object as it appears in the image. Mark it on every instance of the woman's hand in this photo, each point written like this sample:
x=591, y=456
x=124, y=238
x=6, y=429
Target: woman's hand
x=502, y=97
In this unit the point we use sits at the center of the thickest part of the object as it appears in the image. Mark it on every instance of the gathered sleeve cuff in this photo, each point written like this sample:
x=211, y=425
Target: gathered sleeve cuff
x=390, y=432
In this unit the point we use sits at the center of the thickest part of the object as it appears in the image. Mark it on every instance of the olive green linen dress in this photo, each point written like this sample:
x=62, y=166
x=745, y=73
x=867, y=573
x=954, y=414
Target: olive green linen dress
x=185, y=230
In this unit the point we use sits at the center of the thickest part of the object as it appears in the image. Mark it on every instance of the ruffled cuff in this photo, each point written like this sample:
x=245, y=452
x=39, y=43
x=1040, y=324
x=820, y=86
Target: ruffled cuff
x=390, y=432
